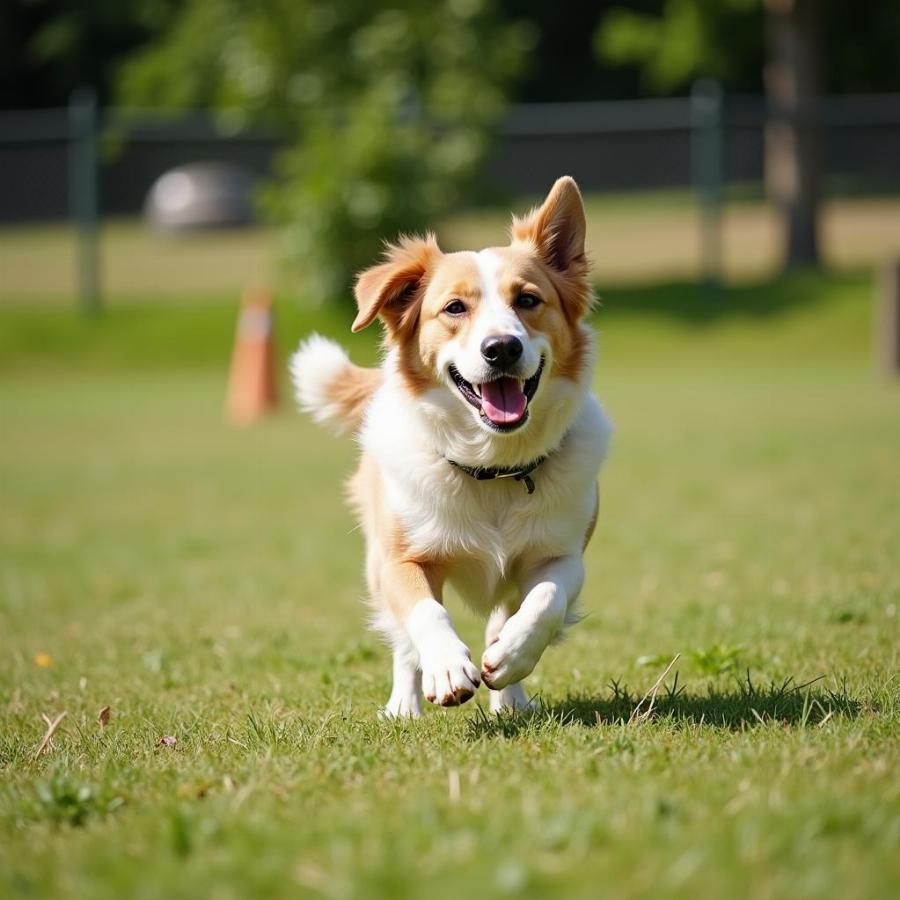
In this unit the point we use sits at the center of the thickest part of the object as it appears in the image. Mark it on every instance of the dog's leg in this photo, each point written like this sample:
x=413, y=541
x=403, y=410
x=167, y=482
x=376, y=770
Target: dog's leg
x=406, y=692
x=550, y=591
x=513, y=696
x=449, y=677
x=406, y=689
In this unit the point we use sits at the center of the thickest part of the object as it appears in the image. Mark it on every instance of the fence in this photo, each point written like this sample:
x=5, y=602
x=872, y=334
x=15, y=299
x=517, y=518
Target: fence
x=704, y=140
x=607, y=146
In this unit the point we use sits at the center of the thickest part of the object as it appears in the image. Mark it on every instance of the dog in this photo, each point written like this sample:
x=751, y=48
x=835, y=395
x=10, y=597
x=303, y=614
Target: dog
x=481, y=445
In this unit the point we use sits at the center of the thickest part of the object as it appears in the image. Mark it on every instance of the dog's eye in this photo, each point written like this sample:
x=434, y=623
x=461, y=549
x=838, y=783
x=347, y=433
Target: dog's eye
x=455, y=308
x=528, y=301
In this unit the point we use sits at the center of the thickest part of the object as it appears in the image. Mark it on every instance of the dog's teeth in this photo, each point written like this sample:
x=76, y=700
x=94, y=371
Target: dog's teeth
x=477, y=389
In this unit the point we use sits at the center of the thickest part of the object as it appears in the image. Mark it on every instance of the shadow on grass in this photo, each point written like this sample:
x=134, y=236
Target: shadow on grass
x=699, y=304
x=744, y=705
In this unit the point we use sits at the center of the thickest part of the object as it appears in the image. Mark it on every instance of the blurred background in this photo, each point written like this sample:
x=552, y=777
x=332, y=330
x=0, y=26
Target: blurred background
x=165, y=162
x=162, y=150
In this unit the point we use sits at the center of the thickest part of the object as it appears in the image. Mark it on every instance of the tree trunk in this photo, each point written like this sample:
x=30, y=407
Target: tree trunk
x=793, y=137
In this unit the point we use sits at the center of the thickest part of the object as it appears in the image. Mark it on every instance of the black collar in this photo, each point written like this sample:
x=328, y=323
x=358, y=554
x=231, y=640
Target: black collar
x=519, y=473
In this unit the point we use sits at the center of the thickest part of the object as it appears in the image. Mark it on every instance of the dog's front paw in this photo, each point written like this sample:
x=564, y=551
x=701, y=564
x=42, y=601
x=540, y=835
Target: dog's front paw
x=510, y=658
x=401, y=706
x=449, y=677
x=512, y=698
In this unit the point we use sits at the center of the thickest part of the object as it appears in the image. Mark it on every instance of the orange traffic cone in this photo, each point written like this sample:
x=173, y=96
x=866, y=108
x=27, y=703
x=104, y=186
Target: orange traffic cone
x=251, y=383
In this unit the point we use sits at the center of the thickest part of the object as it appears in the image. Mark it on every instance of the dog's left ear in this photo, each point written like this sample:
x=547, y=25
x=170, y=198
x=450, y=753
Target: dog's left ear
x=556, y=231
x=556, y=228
x=394, y=288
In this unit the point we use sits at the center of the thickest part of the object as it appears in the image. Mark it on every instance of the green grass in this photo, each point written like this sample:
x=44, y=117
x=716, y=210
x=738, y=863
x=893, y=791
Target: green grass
x=204, y=583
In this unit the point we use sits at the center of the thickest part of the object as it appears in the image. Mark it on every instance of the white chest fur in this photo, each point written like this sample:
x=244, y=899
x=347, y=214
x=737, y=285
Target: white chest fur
x=485, y=531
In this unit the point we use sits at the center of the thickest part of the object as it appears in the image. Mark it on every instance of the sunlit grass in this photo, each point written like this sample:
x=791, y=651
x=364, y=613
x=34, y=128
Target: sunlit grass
x=204, y=583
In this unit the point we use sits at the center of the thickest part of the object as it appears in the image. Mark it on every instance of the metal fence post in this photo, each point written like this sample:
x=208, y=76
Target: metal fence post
x=707, y=171
x=83, y=193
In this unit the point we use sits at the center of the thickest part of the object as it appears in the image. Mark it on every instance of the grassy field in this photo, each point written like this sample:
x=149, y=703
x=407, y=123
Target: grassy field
x=203, y=583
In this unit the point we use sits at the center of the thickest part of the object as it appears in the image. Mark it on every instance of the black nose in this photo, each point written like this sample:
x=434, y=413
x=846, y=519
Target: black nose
x=501, y=350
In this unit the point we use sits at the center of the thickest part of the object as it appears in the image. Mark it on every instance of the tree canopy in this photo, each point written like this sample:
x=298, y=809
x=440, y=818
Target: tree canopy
x=46, y=47
x=387, y=111
x=672, y=42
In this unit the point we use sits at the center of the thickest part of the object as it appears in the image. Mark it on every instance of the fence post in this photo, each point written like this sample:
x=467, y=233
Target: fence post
x=707, y=171
x=887, y=319
x=83, y=193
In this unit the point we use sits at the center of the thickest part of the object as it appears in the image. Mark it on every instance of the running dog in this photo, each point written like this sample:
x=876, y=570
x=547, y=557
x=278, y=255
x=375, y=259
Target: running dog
x=481, y=443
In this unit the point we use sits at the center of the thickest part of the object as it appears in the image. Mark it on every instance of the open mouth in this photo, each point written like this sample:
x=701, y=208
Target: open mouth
x=502, y=402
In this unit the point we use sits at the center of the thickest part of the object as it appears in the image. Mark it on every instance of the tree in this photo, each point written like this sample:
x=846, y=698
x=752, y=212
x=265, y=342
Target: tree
x=793, y=139
x=685, y=39
x=387, y=109
x=694, y=37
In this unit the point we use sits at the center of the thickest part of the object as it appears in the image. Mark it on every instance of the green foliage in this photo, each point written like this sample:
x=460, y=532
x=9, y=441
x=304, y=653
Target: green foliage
x=688, y=39
x=387, y=110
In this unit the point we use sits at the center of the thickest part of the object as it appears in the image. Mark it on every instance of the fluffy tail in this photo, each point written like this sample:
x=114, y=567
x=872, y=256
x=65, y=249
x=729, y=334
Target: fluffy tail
x=329, y=386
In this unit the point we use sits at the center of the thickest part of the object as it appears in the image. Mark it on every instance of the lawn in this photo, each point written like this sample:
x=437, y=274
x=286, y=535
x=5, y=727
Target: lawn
x=203, y=583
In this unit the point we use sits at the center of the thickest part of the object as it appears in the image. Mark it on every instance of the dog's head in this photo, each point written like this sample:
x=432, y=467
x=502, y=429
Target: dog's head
x=492, y=330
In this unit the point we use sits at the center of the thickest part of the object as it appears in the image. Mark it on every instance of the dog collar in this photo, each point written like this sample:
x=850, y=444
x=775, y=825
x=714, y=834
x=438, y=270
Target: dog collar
x=518, y=473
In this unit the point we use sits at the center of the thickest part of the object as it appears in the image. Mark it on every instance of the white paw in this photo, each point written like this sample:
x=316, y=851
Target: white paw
x=449, y=677
x=512, y=656
x=512, y=697
x=401, y=706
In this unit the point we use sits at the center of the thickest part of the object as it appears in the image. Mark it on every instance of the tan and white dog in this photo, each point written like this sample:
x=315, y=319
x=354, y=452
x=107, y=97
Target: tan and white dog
x=481, y=442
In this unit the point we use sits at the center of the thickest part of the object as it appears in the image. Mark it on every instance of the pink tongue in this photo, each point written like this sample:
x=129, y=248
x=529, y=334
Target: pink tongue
x=503, y=401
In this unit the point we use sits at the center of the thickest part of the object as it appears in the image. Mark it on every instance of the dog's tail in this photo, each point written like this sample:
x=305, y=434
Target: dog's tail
x=329, y=386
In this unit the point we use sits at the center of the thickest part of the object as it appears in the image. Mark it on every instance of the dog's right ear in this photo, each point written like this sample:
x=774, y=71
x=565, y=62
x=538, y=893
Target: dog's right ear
x=556, y=228
x=394, y=288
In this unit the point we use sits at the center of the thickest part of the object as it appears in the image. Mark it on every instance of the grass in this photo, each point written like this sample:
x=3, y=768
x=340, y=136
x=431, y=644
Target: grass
x=204, y=584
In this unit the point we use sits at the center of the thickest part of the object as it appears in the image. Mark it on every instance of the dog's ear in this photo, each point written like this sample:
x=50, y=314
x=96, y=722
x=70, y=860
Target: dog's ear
x=556, y=228
x=556, y=231
x=393, y=289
